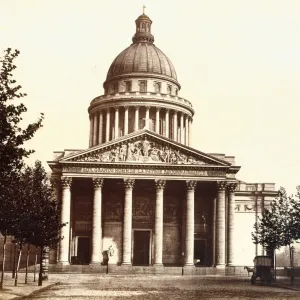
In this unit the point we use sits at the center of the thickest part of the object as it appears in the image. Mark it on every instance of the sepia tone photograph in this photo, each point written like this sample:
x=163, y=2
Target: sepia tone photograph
x=149, y=149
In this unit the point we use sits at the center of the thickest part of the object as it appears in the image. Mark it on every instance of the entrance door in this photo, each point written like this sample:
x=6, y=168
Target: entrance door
x=141, y=247
x=200, y=252
x=83, y=250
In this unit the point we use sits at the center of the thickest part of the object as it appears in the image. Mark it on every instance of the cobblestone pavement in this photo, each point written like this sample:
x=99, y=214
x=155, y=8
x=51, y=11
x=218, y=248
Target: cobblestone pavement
x=146, y=287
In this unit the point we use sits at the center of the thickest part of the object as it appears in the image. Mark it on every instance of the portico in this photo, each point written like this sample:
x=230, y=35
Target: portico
x=155, y=196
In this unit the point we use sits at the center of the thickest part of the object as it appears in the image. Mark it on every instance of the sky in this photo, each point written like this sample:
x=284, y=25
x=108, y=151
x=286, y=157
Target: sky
x=237, y=61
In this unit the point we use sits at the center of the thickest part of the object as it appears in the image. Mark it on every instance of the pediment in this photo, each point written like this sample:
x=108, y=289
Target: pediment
x=145, y=148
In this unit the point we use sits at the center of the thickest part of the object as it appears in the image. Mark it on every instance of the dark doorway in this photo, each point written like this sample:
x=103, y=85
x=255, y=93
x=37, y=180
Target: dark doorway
x=200, y=252
x=141, y=247
x=83, y=250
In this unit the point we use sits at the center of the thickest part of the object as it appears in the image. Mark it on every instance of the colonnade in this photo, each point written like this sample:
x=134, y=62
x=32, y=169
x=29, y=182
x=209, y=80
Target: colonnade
x=172, y=124
x=219, y=215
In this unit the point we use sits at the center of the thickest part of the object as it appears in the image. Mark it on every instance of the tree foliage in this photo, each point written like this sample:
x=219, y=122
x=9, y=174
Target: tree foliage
x=280, y=223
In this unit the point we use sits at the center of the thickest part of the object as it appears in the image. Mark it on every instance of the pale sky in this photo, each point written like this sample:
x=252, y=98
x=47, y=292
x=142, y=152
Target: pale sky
x=237, y=61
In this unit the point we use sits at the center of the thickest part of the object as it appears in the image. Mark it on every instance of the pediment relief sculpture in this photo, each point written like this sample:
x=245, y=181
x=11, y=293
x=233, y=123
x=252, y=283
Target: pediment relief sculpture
x=144, y=151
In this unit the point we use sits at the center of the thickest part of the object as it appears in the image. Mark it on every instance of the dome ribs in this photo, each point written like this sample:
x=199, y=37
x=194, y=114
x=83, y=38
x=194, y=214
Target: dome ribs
x=156, y=62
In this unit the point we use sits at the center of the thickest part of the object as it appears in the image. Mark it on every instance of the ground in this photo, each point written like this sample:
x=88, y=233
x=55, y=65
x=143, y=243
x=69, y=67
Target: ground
x=144, y=287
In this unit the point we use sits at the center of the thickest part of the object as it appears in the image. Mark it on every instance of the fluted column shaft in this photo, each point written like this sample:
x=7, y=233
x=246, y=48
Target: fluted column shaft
x=96, y=227
x=186, y=130
x=167, y=123
x=190, y=132
x=157, y=120
x=95, y=123
x=231, y=213
x=128, y=183
x=100, y=137
x=126, y=120
x=136, y=122
x=220, y=225
x=181, y=129
x=214, y=216
x=190, y=223
x=116, y=122
x=147, y=117
x=175, y=126
x=64, y=243
x=107, y=125
x=159, y=216
x=91, y=131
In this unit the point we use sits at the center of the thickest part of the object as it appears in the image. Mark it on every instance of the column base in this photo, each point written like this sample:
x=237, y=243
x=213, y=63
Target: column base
x=230, y=265
x=126, y=264
x=220, y=266
x=189, y=265
x=95, y=263
x=63, y=263
x=158, y=265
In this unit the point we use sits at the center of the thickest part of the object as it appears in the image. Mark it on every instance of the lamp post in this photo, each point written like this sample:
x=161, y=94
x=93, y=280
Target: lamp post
x=182, y=269
x=292, y=249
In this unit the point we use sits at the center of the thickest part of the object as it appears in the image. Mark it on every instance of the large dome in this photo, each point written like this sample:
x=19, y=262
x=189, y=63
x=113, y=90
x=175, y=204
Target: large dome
x=142, y=57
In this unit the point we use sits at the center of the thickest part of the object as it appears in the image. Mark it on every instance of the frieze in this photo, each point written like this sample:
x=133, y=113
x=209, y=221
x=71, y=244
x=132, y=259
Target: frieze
x=142, y=171
x=143, y=151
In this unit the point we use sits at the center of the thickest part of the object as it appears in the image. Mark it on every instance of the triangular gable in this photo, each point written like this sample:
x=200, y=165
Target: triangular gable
x=144, y=147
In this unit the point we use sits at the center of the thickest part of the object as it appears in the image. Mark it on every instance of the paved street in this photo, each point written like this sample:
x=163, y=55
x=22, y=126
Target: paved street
x=159, y=287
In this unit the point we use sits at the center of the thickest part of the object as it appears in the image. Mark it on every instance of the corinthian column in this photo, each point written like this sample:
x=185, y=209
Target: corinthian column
x=181, y=129
x=231, y=208
x=186, y=130
x=95, y=130
x=136, y=121
x=159, y=215
x=147, y=117
x=220, y=225
x=190, y=131
x=129, y=184
x=107, y=125
x=125, y=120
x=116, y=122
x=190, y=223
x=64, y=243
x=97, y=230
x=100, y=136
x=91, y=131
x=175, y=126
x=157, y=120
x=167, y=122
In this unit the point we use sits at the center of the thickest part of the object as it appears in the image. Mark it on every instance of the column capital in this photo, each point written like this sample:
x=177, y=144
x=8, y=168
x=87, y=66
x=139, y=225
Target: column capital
x=66, y=182
x=167, y=110
x=221, y=185
x=129, y=183
x=126, y=107
x=191, y=184
x=158, y=108
x=98, y=182
x=160, y=184
x=231, y=186
x=55, y=182
x=116, y=108
x=137, y=107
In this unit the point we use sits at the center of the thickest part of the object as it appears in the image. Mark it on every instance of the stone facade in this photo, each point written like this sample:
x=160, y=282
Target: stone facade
x=139, y=194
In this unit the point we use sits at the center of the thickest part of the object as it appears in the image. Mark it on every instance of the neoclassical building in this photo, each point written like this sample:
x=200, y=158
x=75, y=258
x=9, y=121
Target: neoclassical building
x=139, y=191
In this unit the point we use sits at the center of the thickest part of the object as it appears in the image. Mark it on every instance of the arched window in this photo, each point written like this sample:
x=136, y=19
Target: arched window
x=169, y=89
x=128, y=86
x=143, y=27
x=143, y=86
x=115, y=87
x=176, y=92
x=157, y=87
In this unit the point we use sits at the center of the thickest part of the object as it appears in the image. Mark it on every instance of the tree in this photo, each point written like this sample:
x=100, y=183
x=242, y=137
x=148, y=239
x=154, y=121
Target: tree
x=44, y=220
x=280, y=224
x=12, y=139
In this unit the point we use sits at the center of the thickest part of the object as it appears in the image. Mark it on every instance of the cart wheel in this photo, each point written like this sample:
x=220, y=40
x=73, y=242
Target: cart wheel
x=253, y=279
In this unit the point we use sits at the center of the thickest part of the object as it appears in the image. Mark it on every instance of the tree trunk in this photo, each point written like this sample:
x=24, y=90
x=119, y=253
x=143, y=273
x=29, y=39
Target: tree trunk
x=3, y=262
x=27, y=263
x=291, y=264
x=34, y=271
x=18, y=264
x=41, y=267
x=14, y=263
